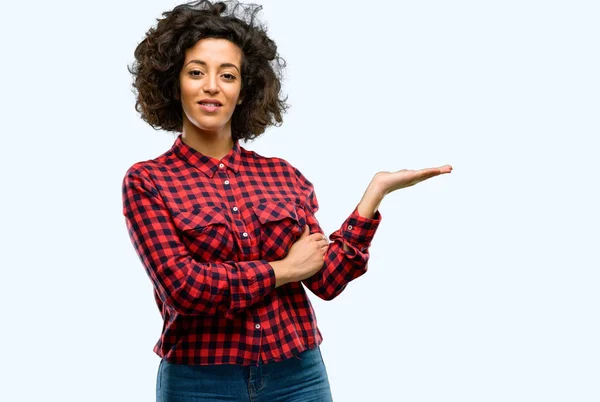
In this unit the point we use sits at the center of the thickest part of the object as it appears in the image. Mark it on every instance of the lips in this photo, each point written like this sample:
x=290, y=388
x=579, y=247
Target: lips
x=210, y=105
x=211, y=102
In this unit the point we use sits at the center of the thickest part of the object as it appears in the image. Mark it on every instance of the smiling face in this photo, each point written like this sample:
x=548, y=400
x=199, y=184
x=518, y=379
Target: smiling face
x=210, y=83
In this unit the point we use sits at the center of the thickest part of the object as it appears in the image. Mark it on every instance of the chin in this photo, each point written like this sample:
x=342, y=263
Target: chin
x=210, y=124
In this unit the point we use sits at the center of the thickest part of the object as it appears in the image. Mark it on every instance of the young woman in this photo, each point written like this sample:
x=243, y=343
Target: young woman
x=228, y=237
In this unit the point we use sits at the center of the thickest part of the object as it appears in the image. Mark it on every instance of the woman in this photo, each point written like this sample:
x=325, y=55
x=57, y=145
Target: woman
x=228, y=236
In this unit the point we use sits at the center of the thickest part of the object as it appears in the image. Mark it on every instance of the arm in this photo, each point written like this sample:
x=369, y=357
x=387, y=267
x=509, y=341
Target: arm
x=347, y=256
x=349, y=261
x=186, y=285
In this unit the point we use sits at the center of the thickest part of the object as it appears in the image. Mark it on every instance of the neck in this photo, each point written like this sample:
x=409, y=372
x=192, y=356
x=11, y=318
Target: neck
x=215, y=144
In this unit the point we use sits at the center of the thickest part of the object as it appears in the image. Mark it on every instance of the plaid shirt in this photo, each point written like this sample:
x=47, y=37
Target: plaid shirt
x=205, y=231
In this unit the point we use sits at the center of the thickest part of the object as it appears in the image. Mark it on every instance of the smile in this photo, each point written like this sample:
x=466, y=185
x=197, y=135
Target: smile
x=209, y=107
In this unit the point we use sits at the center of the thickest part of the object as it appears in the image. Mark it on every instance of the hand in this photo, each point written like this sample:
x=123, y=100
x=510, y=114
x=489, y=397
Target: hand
x=387, y=182
x=305, y=257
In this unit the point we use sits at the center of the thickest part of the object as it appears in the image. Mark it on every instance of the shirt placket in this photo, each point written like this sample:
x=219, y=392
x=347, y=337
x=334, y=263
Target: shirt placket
x=239, y=228
x=248, y=251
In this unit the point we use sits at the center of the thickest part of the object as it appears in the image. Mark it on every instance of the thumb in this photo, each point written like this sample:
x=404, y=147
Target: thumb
x=306, y=231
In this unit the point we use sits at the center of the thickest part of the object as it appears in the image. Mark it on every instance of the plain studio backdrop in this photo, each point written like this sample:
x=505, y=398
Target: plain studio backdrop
x=482, y=284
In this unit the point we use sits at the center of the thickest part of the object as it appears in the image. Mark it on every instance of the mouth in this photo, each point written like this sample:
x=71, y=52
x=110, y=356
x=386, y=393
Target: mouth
x=209, y=106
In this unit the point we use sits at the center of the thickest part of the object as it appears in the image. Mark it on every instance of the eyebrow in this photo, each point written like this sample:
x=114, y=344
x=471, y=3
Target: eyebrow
x=204, y=64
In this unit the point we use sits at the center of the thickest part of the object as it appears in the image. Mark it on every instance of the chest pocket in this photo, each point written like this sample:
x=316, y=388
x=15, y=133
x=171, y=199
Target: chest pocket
x=206, y=233
x=281, y=224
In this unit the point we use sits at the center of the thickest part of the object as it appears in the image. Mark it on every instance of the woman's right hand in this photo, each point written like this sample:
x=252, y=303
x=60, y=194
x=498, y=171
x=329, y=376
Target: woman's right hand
x=307, y=254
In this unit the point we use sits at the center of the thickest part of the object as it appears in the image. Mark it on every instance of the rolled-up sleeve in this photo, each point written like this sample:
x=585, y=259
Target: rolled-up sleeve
x=340, y=266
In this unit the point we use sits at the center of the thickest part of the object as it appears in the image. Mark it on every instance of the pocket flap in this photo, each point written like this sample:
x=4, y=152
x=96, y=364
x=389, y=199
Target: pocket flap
x=199, y=218
x=275, y=211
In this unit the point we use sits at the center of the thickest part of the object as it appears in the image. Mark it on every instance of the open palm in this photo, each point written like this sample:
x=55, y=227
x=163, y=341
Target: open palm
x=392, y=181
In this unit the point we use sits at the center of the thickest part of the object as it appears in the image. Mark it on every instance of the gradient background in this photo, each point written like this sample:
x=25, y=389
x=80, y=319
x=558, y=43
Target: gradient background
x=482, y=284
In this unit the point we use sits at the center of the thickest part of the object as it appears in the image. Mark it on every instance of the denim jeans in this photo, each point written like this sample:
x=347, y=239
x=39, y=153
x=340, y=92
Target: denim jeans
x=302, y=378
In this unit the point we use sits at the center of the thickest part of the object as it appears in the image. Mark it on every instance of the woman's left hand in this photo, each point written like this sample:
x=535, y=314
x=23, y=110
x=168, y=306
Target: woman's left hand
x=386, y=182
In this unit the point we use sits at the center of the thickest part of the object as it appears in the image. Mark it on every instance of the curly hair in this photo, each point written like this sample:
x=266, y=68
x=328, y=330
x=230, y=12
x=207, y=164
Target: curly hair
x=160, y=56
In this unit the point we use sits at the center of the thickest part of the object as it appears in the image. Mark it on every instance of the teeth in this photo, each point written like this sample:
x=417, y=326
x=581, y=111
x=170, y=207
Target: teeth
x=210, y=104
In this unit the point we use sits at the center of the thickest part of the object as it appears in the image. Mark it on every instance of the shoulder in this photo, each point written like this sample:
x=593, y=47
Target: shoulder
x=149, y=168
x=285, y=167
x=276, y=162
x=141, y=169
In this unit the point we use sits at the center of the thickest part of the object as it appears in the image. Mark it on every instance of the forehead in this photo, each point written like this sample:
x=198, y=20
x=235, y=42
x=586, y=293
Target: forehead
x=214, y=50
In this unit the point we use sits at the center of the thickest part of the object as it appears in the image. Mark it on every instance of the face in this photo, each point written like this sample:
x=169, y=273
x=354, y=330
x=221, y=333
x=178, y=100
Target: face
x=210, y=83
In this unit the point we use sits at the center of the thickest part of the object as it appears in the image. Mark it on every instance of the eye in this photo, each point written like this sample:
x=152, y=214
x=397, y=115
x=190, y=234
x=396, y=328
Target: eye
x=229, y=77
x=195, y=71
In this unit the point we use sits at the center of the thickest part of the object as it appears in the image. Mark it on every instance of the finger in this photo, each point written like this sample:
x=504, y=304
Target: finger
x=425, y=174
x=438, y=170
x=323, y=242
x=321, y=239
x=306, y=231
x=428, y=171
x=446, y=168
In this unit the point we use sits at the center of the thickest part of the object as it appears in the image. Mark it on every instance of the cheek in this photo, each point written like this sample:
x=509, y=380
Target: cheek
x=187, y=100
x=184, y=98
x=233, y=93
x=188, y=88
x=233, y=98
x=187, y=107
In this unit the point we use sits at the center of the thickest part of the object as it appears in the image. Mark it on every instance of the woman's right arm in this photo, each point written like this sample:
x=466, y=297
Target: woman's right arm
x=188, y=286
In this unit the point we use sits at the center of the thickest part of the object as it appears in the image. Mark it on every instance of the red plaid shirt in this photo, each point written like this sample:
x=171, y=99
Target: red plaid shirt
x=205, y=231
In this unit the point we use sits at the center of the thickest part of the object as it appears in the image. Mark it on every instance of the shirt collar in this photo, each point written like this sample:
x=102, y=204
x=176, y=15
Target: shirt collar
x=204, y=163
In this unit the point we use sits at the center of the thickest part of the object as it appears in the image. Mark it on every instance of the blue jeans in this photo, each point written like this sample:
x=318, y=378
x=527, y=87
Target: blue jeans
x=299, y=379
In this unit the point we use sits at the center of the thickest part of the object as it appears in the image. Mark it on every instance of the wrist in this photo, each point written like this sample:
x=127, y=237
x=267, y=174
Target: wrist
x=283, y=273
x=370, y=201
x=376, y=188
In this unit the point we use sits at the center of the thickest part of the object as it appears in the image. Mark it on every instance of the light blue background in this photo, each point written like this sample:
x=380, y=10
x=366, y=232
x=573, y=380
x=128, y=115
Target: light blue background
x=483, y=285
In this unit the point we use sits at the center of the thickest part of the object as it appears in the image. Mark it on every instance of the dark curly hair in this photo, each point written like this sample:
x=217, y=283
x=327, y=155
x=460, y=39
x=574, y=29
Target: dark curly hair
x=159, y=59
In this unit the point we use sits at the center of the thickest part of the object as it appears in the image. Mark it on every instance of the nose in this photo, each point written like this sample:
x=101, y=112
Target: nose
x=210, y=84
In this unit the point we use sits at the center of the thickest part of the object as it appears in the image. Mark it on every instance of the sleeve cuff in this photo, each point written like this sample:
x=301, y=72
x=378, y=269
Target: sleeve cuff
x=360, y=230
x=261, y=276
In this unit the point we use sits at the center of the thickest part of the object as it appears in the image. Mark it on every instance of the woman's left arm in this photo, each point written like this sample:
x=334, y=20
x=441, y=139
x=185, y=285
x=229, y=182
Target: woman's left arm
x=347, y=256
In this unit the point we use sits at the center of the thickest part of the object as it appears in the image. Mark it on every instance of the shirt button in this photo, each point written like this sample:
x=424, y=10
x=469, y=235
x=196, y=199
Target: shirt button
x=235, y=209
x=349, y=227
x=245, y=234
x=226, y=181
x=257, y=326
x=221, y=165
